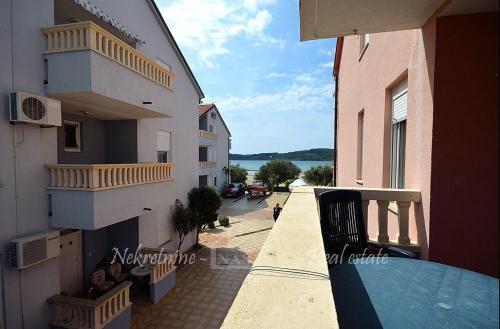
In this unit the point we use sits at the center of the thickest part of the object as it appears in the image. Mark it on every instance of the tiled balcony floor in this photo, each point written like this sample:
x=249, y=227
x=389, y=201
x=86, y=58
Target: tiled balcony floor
x=204, y=293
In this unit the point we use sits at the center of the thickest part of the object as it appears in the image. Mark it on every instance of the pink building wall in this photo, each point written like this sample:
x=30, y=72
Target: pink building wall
x=365, y=84
x=452, y=132
x=465, y=166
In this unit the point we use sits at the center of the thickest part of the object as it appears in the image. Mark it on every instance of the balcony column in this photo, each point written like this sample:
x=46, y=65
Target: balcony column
x=403, y=221
x=382, y=236
x=365, y=204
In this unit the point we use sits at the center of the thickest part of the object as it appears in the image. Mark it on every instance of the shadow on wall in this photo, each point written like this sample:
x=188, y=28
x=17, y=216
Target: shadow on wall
x=98, y=245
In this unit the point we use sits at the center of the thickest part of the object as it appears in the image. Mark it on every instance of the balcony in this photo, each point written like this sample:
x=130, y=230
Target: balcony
x=296, y=244
x=94, y=196
x=207, y=138
x=90, y=69
x=81, y=313
x=207, y=164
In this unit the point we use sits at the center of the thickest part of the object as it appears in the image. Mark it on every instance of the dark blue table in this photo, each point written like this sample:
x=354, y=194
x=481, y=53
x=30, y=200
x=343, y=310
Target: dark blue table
x=406, y=293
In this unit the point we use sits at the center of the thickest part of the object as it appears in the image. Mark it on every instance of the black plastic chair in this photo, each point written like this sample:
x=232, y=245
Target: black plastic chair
x=343, y=228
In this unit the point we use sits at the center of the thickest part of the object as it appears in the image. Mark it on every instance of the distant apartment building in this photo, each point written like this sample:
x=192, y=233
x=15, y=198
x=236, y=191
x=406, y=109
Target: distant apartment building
x=214, y=145
x=102, y=139
x=417, y=109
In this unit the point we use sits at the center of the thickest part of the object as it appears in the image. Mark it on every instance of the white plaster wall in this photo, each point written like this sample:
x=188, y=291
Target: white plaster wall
x=25, y=292
x=183, y=123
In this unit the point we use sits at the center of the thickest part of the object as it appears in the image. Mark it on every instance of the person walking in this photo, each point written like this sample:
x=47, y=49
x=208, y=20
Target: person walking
x=276, y=211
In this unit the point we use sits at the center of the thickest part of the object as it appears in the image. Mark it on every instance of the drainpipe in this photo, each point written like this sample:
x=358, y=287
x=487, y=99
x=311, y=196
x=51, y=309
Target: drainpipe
x=336, y=67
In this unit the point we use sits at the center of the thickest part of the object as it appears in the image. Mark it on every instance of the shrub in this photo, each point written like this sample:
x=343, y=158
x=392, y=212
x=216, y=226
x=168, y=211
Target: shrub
x=184, y=221
x=206, y=202
x=276, y=172
x=224, y=221
x=211, y=225
x=320, y=175
x=238, y=174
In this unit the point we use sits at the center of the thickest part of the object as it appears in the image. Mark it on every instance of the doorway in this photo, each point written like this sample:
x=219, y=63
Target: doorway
x=70, y=262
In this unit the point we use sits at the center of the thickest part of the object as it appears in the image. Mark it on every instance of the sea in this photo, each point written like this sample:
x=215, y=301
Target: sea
x=253, y=166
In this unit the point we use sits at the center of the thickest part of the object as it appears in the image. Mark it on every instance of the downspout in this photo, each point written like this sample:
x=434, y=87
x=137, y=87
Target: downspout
x=336, y=67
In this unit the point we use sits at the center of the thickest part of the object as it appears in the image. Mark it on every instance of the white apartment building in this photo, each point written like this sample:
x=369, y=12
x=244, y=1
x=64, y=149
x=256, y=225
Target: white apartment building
x=101, y=139
x=215, y=143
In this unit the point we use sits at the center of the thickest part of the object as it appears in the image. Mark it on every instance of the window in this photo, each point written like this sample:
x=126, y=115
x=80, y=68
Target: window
x=361, y=123
x=398, y=135
x=215, y=181
x=72, y=136
x=163, y=146
x=364, y=40
x=211, y=128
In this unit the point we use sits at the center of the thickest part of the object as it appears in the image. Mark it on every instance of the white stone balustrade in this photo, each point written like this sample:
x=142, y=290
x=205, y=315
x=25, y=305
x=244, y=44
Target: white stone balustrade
x=207, y=164
x=95, y=177
x=90, y=36
x=207, y=134
x=384, y=197
x=80, y=313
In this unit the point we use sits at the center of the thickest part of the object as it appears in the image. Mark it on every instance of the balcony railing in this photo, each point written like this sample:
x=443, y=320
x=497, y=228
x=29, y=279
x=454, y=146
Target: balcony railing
x=294, y=270
x=207, y=164
x=89, y=36
x=207, y=134
x=401, y=199
x=80, y=313
x=106, y=176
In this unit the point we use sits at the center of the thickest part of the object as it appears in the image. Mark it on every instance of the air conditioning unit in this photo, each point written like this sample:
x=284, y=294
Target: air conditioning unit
x=33, y=249
x=34, y=109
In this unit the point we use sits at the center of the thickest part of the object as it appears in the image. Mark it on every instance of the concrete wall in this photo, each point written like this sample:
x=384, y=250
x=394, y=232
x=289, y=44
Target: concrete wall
x=365, y=85
x=110, y=141
x=464, y=209
x=24, y=150
x=155, y=227
x=121, y=141
x=99, y=244
x=452, y=70
x=93, y=147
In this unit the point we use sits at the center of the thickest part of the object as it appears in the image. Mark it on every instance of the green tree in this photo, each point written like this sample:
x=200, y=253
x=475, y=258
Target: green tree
x=276, y=172
x=206, y=202
x=184, y=221
x=238, y=174
x=320, y=175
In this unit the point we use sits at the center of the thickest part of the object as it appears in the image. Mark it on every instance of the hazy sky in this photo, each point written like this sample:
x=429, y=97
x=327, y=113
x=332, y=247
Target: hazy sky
x=274, y=92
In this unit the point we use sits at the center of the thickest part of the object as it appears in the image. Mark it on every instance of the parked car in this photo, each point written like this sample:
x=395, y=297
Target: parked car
x=257, y=188
x=233, y=190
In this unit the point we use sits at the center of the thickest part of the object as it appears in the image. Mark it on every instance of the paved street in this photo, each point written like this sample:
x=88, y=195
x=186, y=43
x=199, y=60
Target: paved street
x=206, y=289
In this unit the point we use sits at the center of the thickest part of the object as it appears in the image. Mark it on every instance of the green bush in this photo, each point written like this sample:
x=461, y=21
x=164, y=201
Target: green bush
x=211, y=225
x=238, y=174
x=206, y=202
x=224, y=221
x=184, y=221
x=276, y=172
x=319, y=176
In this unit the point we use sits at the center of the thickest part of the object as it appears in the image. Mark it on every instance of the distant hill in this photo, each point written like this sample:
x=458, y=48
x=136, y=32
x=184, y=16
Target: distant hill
x=319, y=154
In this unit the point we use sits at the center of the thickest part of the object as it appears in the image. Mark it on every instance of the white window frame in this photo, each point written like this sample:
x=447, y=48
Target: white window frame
x=163, y=148
x=398, y=137
x=78, y=137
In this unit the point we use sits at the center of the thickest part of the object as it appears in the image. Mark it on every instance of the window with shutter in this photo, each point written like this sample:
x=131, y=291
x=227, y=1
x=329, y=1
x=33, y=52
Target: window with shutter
x=163, y=143
x=398, y=138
